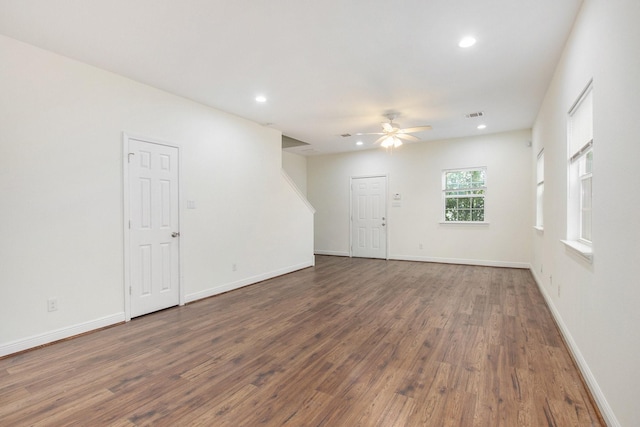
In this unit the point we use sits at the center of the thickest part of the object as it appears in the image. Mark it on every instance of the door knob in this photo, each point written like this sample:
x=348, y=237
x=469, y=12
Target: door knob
x=175, y=234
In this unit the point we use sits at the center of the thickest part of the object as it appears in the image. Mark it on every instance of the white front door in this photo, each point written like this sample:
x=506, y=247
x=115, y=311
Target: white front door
x=368, y=217
x=153, y=227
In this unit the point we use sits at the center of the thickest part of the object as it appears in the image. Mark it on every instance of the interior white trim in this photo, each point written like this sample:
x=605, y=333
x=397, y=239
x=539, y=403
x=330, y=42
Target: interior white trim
x=59, y=334
x=479, y=262
x=598, y=395
x=332, y=253
x=125, y=225
x=247, y=281
x=585, y=251
x=297, y=190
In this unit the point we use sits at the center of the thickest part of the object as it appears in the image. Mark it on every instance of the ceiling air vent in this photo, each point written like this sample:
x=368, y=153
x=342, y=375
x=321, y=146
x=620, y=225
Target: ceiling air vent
x=474, y=115
x=345, y=135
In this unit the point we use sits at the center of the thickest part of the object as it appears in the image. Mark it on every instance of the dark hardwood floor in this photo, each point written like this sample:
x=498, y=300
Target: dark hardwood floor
x=350, y=342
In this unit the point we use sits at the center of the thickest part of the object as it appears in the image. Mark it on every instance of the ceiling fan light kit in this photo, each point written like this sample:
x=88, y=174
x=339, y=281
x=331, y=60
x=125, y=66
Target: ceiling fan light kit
x=390, y=142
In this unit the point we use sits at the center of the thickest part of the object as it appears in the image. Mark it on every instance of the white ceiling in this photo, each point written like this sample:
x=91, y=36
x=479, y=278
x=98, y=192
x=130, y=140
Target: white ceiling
x=327, y=67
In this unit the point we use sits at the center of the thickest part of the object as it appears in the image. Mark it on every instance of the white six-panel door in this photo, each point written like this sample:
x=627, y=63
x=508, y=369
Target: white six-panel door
x=368, y=217
x=154, y=233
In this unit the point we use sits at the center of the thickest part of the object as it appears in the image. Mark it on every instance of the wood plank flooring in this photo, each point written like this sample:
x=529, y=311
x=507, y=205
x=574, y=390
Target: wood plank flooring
x=349, y=342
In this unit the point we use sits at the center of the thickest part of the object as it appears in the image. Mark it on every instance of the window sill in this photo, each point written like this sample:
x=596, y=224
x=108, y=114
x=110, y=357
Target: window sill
x=464, y=223
x=538, y=228
x=581, y=249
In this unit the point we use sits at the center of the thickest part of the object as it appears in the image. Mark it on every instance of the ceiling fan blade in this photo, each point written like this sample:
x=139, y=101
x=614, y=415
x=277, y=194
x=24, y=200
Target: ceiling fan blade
x=407, y=137
x=415, y=129
x=371, y=133
x=387, y=127
x=382, y=138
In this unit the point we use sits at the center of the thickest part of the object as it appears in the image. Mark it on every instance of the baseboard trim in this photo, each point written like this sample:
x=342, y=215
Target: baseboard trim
x=479, y=262
x=587, y=375
x=332, y=253
x=59, y=334
x=462, y=261
x=246, y=282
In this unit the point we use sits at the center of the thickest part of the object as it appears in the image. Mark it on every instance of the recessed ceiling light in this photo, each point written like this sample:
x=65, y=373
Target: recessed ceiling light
x=359, y=143
x=482, y=126
x=261, y=98
x=467, y=42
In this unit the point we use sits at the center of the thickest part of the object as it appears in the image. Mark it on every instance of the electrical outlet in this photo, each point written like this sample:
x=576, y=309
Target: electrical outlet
x=234, y=267
x=558, y=291
x=541, y=269
x=52, y=304
x=420, y=245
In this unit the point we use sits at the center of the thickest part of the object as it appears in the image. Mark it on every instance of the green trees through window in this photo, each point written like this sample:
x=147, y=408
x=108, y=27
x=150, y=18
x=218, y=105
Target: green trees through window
x=464, y=192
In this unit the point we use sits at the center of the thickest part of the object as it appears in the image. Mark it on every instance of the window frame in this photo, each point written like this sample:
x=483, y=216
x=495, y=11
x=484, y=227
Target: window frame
x=583, y=176
x=580, y=174
x=471, y=193
x=540, y=191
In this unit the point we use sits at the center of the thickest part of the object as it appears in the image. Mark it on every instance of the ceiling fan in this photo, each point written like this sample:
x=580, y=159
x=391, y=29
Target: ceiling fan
x=392, y=135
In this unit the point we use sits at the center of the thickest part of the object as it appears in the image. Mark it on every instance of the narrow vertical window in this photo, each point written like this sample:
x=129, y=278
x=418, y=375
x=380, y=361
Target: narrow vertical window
x=580, y=174
x=540, y=191
x=585, y=177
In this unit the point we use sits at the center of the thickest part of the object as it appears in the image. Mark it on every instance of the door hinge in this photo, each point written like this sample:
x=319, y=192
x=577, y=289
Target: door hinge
x=129, y=224
x=129, y=157
x=130, y=291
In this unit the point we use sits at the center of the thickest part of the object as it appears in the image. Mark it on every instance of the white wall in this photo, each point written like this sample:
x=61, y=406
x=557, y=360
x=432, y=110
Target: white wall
x=61, y=181
x=295, y=166
x=597, y=305
x=415, y=171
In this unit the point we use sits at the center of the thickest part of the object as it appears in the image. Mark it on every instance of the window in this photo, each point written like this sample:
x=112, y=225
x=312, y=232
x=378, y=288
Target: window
x=463, y=194
x=540, y=191
x=585, y=177
x=580, y=175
